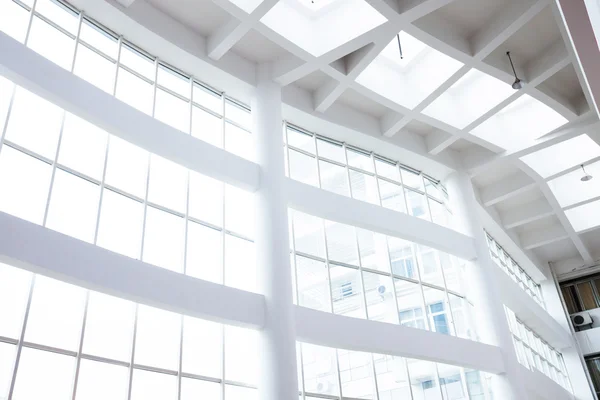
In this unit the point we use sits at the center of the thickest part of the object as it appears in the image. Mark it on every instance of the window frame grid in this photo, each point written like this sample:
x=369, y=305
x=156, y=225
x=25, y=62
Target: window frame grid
x=574, y=284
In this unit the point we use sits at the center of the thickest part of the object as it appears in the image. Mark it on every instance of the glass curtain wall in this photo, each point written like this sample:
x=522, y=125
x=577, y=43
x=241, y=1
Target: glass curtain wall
x=517, y=274
x=73, y=342
x=328, y=373
x=360, y=174
x=535, y=353
x=354, y=272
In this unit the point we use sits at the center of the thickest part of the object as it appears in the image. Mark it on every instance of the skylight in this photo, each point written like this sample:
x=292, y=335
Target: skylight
x=468, y=99
x=409, y=80
x=562, y=156
x=584, y=217
x=520, y=123
x=569, y=189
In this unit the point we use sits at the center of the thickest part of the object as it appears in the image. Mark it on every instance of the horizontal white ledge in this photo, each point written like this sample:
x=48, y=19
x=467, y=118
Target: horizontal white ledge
x=538, y=384
x=43, y=251
x=325, y=329
x=39, y=75
x=345, y=210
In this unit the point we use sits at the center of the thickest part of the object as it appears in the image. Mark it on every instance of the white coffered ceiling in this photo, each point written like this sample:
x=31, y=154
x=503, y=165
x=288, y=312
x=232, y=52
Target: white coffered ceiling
x=449, y=99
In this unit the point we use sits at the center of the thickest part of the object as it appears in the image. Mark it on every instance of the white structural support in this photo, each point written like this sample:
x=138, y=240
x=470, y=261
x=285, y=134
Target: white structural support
x=41, y=76
x=278, y=378
x=46, y=252
x=493, y=328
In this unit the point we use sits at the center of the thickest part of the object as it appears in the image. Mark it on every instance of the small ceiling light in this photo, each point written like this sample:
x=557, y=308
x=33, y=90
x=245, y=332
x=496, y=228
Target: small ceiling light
x=399, y=46
x=586, y=177
x=517, y=84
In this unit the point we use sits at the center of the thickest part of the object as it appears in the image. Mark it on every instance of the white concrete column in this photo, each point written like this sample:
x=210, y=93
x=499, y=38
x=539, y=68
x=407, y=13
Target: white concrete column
x=490, y=318
x=278, y=379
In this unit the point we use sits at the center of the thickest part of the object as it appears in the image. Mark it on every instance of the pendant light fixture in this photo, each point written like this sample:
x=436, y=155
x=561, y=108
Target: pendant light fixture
x=399, y=46
x=586, y=177
x=517, y=84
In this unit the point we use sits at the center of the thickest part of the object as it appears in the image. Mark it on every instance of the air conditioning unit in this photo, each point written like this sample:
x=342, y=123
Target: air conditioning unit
x=581, y=319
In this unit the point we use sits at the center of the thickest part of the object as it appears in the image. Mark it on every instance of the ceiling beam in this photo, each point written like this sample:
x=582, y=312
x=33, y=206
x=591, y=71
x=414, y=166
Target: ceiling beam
x=540, y=237
x=125, y=3
x=526, y=213
x=438, y=141
x=506, y=188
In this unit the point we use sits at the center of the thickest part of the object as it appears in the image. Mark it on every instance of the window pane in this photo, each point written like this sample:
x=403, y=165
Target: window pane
x=356, y=374
x=453, y=272
x=437, y=310
x=237, y=114
x=429, y=266
x=417, y=205
x=73, y=206
x=303, y=168
x=360, y=160
x=439, y=213
x=99, y=39
x=204, y=253
x=387, y=170
x=373, y=250
x=157, y=338
x=379, y=292
x=174, y=81
x=308, y=234
x=239, y=142
x=313, y=284
x=167, y=185
x=83, y=147
x=207, y=127
x=137, y=61
x=59, y=14
x=346, y=291
x=241, y=356
x=206, y=199
x=423, y=380
x=51, y=43
x=14, y=291
x=6, y=90
x=121, y=222
x=126, y=167
x=24, y=182
x=301, y=140
x=402, y=258
x=13, y=20
x=240, y=268
x=239, y=211
x=331, y=151
x=194, y=389
x=364, y=187
x=202, y=347
x=134, y=91
x=392, y=196
x=320, y=369
x=410, y=304
x=411, y=179
x=450, y=382
x=172, y=111
x=334, y=178
x=100, y=381
x=7, y=359
x=341, y=243
x=95, y=69
x=44, y=375
x=587, y=295
x=207, y=98
x=392, y=378
x=164, y=239
x=239, y=393
x=108, y=327
x=56, y=314
x=460, y=317
x=39, y=134
x=148, y=385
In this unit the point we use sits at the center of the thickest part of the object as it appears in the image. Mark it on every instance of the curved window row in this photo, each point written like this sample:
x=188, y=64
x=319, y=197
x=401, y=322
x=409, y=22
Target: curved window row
x=514, y=270
x=362, y=274
x=70, y=340
x=534, y=353
x=73, y=41
x=98, y=188
x=349, y=171
x=327, y=373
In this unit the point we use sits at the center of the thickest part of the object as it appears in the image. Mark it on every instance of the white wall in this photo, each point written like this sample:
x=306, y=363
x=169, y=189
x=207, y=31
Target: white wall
x=589, y=341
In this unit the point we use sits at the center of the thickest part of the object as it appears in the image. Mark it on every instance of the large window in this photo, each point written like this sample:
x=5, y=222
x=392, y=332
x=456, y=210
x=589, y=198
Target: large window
x=518, y=274
x=535, y=353
x=327, y=373
x=349, y=171
x=581, y=294
x=359, y=273
x=59, y=341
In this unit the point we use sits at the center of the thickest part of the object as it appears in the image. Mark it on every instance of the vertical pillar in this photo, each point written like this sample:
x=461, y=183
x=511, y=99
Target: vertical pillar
x=278, y=379
x=492, y=325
